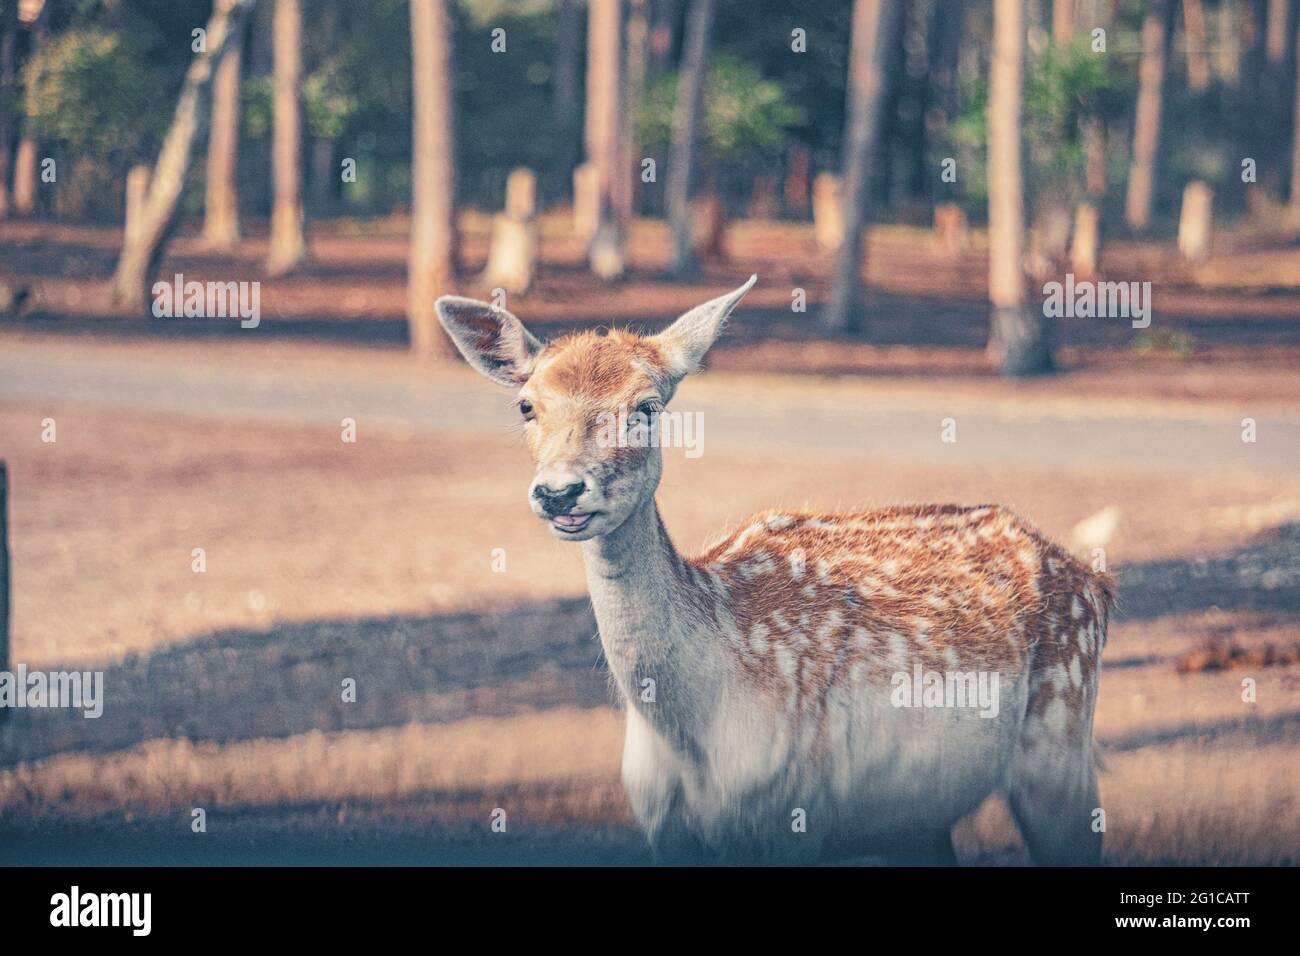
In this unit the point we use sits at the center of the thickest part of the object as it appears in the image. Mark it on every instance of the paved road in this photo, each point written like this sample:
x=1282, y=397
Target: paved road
x=220, y=386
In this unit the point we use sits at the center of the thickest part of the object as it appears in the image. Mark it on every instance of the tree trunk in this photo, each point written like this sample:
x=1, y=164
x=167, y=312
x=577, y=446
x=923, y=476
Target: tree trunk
x=137, y=194
x=25, y=161
x=322, y=173
x=947, y=23
x=1279, y=16
x=221, y=203
x=566, y=107
x=604, y=88
x=1019, y=338
x=1062, y=21
x=663, y=22
x=431, y=266
x=189, y=126
x=568, y=31
x=686, y=125
x=1295, y=135
x=873, y=25
x=1146, y=132
x=1228, y=43
x=288, y=246
x=8, y=105
x=625, y=185
x=1198, y=46
x=1253, y=32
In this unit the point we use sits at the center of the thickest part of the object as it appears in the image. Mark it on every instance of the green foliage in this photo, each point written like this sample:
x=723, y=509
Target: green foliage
x=90, y=90
x=1065, y=87
x=746, y=118
x=329, y=101
x=255, y=95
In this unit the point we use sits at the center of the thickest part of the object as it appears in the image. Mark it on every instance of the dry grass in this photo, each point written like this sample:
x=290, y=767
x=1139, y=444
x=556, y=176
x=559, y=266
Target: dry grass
x=374, y=560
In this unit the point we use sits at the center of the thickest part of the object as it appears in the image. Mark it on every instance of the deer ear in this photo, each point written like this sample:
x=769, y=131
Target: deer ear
x=685, y=341
x=492, y=340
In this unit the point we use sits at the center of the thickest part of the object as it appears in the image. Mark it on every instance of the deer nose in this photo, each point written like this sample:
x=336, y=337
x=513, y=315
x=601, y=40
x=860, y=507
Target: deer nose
x=558, y=500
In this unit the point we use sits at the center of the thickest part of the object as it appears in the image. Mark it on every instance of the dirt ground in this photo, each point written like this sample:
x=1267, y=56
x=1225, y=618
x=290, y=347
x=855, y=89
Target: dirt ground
x=409, y=563
x=480, y=688
x=1224, y=329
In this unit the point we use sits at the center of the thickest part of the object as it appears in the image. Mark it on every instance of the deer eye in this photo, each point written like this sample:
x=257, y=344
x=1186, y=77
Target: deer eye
x=648, y=409
x=526, y=409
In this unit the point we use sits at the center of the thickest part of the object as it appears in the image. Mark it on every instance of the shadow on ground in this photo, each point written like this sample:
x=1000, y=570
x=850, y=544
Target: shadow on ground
x=242, y=684
x=239, y=684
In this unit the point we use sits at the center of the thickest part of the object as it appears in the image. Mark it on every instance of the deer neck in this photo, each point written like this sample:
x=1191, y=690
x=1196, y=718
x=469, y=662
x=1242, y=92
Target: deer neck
x=652, y=614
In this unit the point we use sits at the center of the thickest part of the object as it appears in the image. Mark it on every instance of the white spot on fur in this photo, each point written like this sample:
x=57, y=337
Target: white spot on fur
x=742, y=539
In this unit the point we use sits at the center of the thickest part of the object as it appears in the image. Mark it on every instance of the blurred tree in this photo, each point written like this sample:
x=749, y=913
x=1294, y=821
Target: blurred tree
x=288, y=247
x=1279, y=18
x=938, y=90
x=8, y=70
x=686, y=122
x=1198, y=45
x=1019, y=337
x=873, y=26
x=431, y=264
x=328, y=102
x=1157, y=29
x=636, y=48
x=221, y=201
x=1295, y=134
x=744, y=125
x=605, y=149
x=564, y=85
x=25, y=158
x=1062, y=21
x=144, y=247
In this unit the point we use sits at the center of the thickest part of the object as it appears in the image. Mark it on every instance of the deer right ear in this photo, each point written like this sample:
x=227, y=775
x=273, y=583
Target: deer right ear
x=492, y=340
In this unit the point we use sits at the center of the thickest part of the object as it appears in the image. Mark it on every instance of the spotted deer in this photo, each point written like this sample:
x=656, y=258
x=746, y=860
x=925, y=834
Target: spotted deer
x=766, y=682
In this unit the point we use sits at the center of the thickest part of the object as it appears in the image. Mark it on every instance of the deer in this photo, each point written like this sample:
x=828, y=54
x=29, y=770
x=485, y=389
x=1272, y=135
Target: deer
x=768, y=682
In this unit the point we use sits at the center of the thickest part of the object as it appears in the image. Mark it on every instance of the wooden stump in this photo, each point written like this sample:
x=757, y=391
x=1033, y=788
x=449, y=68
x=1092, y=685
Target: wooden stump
x=512, y=256
x=828, y=216
x=951, y=228
x=711, y=227
x=1195, y=223
x=1086, y=243
x=798, y=168
x=586, y=200
x=762, y=199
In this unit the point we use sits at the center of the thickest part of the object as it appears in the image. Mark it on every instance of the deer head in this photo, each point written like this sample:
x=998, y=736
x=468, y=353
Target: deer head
x=572, y=395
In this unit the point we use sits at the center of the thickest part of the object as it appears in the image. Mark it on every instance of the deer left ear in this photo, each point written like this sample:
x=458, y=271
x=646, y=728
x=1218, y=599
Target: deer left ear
x=492, y=340
x=685, y=341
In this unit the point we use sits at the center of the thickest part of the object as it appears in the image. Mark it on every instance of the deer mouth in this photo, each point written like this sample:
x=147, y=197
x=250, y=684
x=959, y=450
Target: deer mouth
x=571, y=523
